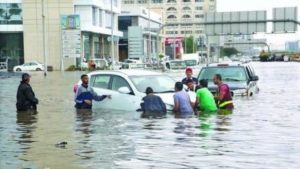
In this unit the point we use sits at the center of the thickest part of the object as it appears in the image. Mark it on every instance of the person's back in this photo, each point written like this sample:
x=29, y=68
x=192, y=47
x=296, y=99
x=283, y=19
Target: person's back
x=153, y=106
x=206, y=100
x=184, y=102
x=226, y=102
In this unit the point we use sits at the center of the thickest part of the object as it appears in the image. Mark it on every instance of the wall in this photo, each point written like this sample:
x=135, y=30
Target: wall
x=32, y=25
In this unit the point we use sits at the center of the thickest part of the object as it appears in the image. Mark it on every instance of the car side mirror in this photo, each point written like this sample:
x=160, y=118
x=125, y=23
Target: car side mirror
x=254, y=78
x=124, y=90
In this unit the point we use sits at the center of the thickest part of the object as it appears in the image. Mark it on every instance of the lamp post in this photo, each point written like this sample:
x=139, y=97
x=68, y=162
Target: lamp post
x=112, y=36
x=44, y=38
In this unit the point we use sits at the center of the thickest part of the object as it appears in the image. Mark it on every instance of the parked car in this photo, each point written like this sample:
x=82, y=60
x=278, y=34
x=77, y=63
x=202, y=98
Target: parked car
x=175, y=64
x=240, y=77
x=127, y=88
x=29, y=66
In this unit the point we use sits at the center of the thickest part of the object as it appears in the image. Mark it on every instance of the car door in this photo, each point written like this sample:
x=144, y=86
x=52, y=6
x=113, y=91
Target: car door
x=123, y=101
x=100, y=83
x=252, y=85
x=25, y=67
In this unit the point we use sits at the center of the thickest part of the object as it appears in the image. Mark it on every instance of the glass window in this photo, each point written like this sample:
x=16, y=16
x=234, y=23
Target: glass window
x=100, y=18
x=199, y=0
x=159, y=84
x=171, y=9
x=100, y=81
x=199, y=8
x=186, y=16
x=26, y=64
x=199, y=16
x=186, y=8
x=94, y=16
x=10, y=13
x=33, y=64
x=118, y=82
x=172, y=17
x=171, y=1
x=108, y=19
x=229, y=73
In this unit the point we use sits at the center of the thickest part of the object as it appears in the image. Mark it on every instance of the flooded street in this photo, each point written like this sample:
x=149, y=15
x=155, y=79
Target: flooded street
x=262, y=132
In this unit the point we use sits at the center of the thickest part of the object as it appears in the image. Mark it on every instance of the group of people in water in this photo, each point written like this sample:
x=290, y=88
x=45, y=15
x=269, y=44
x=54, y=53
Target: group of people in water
x=153, y=105
x=184, y=106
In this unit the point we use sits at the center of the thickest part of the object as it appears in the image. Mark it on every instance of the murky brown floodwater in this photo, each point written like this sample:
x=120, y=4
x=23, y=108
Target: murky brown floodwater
x=263, y=131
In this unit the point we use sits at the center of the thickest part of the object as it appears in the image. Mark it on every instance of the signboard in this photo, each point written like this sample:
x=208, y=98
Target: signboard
x=246, y=22
x=286, y=14
x=71, y=36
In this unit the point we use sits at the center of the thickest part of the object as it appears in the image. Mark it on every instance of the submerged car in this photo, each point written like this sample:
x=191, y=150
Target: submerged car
x=240, y=77
x=127, y=88
x=29, y=66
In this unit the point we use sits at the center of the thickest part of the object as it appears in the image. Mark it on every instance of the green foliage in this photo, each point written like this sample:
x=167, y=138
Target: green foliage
x=161, y=56
x=264, y=56
x=71, y=68
x=189, y=44
x=228, y=51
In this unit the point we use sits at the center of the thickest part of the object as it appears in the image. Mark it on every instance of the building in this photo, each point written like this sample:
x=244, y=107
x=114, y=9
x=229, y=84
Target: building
x=21, y=29
x=139, y=26
x=178, y=11
x=292, y=46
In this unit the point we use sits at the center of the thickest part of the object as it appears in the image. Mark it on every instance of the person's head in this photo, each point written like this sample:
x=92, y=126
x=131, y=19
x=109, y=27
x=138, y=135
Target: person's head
x=217, y=79
x=84, y=79
x=149, y=90
x=190, y=84
x=178, y=86
x=26, y=77
x=188, y=72
x=203, y=83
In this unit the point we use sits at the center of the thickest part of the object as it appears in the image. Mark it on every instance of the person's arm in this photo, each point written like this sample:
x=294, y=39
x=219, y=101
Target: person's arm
x=221, y=94
x=78, y=99
x=176, y=104
x=97, y=97
x=30, y=96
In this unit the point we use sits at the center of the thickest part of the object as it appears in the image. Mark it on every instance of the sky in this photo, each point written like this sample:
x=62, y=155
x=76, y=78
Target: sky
x=276, y=41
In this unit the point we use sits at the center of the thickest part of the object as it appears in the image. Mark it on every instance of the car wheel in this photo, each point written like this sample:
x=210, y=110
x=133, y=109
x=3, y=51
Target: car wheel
x=38, y=69
x=18, y=70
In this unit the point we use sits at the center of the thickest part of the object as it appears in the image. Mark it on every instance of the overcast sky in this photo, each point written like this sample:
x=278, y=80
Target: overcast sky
x=276, y=41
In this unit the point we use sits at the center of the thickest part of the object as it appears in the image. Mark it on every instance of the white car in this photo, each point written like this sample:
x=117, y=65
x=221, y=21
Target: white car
x=29, y=66
x=127, y=88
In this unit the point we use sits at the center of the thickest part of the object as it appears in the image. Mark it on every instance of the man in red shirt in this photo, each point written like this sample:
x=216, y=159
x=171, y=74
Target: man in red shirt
x=223, y=95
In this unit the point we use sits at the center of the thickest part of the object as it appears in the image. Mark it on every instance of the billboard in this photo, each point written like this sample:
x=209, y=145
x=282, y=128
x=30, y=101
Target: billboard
x=246, y=22
x=282, y=19
x=70, y=36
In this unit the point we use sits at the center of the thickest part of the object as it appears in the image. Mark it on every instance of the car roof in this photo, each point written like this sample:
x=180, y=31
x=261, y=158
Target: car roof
x=128, y=72
x=227, y=64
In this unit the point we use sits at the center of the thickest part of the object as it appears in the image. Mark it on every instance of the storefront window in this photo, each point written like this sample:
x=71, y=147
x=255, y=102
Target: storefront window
x=10, y=14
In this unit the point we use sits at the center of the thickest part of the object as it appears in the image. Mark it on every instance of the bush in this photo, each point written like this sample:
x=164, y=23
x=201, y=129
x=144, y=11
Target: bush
x=71, y=68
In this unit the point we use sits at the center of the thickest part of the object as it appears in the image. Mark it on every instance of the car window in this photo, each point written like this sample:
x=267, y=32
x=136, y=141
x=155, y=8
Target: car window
x=33, y=64
x=230, y=73
x=159, y=83
x=100, y=81
x=118, y=82
x=249, y=71
x=26, y=64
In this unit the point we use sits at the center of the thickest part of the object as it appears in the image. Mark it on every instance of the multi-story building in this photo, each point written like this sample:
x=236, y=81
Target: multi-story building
x=178, y=11
x=138, y=42
x=22, y=34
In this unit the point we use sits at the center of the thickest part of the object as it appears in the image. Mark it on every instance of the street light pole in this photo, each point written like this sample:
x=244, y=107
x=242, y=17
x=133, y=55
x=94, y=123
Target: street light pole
x=149, y=35
x=44, y=38
x=112, y=35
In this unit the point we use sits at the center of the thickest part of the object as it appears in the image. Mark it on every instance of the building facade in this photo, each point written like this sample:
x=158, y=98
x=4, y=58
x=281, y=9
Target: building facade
x=21, y=29
x=139, y=26
x=178, y=11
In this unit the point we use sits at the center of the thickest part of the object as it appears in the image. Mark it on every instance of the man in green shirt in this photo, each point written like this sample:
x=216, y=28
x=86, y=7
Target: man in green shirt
x=205, y=99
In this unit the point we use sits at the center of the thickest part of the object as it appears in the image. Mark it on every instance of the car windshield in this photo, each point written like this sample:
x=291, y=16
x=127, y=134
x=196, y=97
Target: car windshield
x=190, y=62
x=178, y=65
x=159, y=84
x=227, y=73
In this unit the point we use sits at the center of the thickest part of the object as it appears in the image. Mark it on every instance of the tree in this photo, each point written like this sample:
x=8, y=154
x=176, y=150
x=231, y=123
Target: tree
x=228, y=51
x=189, y=44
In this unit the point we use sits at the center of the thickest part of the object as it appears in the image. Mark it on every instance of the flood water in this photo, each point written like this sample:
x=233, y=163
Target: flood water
x=262, y=132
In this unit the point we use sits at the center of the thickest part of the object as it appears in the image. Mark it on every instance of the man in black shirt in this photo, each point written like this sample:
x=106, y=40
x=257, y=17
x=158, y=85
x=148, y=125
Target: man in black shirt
x=26, y=99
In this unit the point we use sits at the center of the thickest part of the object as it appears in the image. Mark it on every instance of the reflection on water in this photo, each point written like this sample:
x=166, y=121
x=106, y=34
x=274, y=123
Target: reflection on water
x=259, y=128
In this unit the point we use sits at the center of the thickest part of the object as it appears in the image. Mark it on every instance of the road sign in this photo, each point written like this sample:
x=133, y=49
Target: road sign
x=246, y=22
x=71, y=43
x=284, y=16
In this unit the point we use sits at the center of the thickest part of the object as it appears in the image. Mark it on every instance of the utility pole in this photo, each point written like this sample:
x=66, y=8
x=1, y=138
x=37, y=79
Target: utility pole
x=112, y=35
x=44, y=38
x=149, y=35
